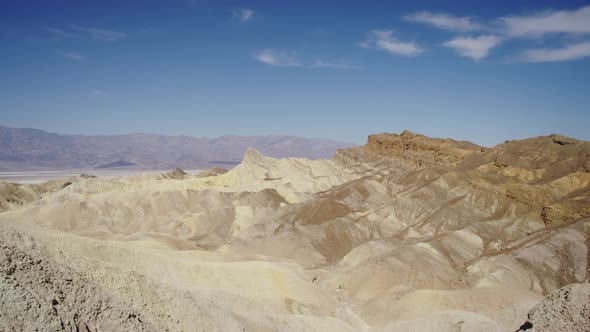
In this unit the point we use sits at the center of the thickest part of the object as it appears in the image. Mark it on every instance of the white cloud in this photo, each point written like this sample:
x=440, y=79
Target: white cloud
x=569, y=52
x=282, y=58
x=385, y=40
x=98, y=92
x=100, y=34
x=333, y=65
x=243, y=15
x=278, y=58
x=444, y=21
x=476, y=48
x=74, y=56
x=58, y=33
x=539, y=24
x=82, y=32
x=566, y=24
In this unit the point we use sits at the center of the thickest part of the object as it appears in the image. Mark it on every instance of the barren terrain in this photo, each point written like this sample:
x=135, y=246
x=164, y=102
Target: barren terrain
x=406, y=233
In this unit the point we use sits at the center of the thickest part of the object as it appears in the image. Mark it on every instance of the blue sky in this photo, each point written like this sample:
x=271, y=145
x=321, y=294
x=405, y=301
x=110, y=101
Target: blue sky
x=485, y=72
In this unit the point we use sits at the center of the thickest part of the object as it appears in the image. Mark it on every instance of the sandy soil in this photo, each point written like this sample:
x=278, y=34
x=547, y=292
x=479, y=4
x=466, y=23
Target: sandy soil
x=437, y=236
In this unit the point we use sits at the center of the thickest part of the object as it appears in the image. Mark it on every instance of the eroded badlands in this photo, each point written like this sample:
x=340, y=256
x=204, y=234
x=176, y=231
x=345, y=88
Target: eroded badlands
x=407, y=233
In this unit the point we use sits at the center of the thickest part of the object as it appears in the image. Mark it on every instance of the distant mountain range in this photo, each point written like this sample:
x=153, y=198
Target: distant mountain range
x=25, y=149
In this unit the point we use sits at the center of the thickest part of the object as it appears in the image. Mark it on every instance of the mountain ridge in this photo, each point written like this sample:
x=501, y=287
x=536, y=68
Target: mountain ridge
x=31, y=149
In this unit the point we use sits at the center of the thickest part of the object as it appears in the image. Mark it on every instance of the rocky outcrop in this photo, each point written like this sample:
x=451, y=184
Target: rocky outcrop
x=408, y=151
x=38, y=294
x=420, y=150
x=13, y=195
x=566, y=309
x=177, y=173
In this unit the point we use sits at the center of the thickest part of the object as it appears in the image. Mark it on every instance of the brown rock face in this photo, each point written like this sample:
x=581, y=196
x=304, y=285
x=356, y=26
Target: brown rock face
x=567, y=211
x=175, y=174
x=15, y=195
x=421, y=150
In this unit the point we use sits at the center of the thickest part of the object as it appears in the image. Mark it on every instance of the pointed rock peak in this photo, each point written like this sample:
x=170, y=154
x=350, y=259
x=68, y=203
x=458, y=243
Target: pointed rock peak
x=178, y=171
x=175, y=174
x=253, y=155
x=407, y=133
x=250, y=151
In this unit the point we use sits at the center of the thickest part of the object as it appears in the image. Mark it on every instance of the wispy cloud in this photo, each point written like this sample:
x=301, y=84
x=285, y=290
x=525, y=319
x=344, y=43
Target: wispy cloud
x=58, y=33
x=75, y=31
x=333, y=65
x=73, y=56
x=100, y=34
x=98, y=92
x=386, y=40
x=476, y=48
x=569, y=52
x=444, y=21
x=542, y=23
x=279, y=58
x=284, y=58
x=243, y=15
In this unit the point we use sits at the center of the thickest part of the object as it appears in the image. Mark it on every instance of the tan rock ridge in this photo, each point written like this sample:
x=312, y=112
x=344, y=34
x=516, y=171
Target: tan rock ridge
x=421, y=150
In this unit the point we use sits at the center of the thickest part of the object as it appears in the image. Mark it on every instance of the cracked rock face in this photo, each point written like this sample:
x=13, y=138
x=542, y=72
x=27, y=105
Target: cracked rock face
x=38, y=294
x=567, y=309
x=404, y=233
x=420, y=150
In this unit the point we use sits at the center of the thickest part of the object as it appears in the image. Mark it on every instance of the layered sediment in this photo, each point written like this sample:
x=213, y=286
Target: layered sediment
x=404, y=233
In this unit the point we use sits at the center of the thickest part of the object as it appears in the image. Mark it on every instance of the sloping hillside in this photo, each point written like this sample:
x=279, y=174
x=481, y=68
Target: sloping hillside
x=406, y=233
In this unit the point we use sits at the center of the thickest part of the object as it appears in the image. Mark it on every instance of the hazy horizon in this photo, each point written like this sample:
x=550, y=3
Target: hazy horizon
x=270, y=135
x=169, y=135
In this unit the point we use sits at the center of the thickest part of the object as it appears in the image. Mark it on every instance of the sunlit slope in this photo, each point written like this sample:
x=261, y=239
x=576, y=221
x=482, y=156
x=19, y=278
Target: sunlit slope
x=405, y=233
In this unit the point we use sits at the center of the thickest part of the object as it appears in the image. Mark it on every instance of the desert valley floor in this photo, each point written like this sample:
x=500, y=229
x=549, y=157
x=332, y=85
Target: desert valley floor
x=406, y=233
